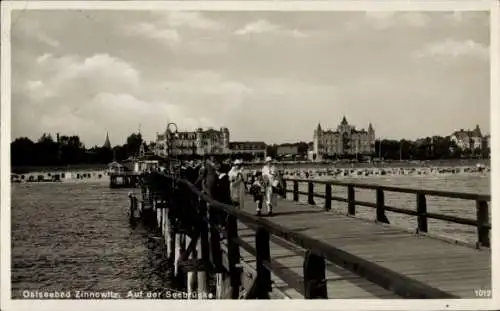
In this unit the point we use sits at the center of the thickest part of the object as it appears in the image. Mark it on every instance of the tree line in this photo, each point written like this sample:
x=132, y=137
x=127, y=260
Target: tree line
x=429, y=148
x=70, y=150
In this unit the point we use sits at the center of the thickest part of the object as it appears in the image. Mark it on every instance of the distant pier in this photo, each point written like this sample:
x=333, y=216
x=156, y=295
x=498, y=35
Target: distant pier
x=126, y=179
x=341, y=255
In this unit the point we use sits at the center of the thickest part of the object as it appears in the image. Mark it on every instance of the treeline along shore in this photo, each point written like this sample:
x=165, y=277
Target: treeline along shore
x=69, y=153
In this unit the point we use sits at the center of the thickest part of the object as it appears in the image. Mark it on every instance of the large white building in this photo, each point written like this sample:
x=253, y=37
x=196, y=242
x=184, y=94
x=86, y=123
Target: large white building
x=346, y=140
x=200, y=142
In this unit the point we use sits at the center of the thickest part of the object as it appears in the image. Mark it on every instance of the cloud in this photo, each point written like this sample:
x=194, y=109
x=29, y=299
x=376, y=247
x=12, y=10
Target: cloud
x=167, y=31
x=454, y=48
x=167, y=36
x=384, y=20
x=41, y=59
x=191, y=68
x=193, y=20
x=31, y=29
x=263, y=26
x=95, y=94
x=206, y=82
x=128, y=109
x=86, y=75
x=37, y=91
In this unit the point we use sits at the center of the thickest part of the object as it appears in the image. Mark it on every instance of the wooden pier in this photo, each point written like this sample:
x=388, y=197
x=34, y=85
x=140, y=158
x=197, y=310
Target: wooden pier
x=314, y=252
x=124, y=179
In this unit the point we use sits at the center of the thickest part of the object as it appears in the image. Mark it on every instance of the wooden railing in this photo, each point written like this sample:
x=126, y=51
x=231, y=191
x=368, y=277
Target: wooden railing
x=482, y=221
x=198, y=215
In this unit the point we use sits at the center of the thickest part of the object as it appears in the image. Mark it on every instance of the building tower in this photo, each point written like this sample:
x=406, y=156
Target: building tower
x=199, y=141
x=371, y=137
x=107, y=144
x=344, y=126
x=317, y=141
x=225, y=139
x=477, y=131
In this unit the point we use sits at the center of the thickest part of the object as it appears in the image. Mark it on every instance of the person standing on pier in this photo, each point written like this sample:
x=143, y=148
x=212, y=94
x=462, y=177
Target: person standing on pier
x=271, y=179
x=257, y=190
x=236, y=180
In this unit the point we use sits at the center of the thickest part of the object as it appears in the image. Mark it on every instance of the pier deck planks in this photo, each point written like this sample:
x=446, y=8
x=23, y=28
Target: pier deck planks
x=287, y=260
x=456, y=269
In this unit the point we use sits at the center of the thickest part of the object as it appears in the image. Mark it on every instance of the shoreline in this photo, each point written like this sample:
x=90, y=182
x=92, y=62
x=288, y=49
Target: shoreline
x=285, y=164
x=313, y=173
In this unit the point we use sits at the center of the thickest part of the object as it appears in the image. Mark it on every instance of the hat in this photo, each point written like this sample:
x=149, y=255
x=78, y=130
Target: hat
x=268, y=159
x=237, y=162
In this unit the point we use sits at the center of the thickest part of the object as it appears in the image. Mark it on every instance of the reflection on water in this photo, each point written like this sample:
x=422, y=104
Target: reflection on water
x=68, y=236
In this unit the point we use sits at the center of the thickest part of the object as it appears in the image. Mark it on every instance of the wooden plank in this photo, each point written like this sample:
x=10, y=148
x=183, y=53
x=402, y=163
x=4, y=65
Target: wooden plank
x=287, y=261
x=431, y=261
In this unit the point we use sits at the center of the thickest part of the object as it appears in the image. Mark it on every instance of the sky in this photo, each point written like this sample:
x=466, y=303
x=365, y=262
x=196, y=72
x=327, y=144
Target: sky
x=267, y=76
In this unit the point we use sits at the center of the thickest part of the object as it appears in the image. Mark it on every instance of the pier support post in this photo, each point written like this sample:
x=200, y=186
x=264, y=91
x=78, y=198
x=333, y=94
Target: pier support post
x=179, y=246
x=159, y=219
x=133, y=205
x=314, y=277
x=171, y=238
x=167, y=230
x=204, y=253
x=191, y=275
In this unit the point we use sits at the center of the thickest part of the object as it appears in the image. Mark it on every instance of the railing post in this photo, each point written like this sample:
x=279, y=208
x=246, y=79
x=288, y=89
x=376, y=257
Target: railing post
x=351, y=204
x=233, y=254
x=310, y=193
x=422, y=212
x=381, y=206
x=295, y=190
x=328, y=197
x=215, y=251
x=314, y=277
x=263, y=257
x=284, y=189
x=483, y=220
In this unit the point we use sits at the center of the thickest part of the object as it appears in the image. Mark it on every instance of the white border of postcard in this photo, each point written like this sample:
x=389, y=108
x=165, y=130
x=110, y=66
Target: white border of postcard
x=342, y=304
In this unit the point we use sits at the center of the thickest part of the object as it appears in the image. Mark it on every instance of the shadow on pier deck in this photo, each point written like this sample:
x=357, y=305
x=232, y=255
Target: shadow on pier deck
x=308, y=252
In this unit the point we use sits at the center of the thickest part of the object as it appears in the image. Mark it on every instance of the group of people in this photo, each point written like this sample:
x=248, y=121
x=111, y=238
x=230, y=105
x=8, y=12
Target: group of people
x=227, y=182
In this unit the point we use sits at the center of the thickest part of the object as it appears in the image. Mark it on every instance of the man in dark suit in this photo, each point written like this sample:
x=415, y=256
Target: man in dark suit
x=208, y=177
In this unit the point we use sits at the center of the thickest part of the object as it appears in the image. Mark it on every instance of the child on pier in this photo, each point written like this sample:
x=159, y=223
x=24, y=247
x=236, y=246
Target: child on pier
x=257, y=190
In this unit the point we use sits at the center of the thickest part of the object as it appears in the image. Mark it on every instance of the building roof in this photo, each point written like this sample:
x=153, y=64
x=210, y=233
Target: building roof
x=477, y=131
x=466, y=134
x=318, y=128
x=107, y=143
x=344, y=121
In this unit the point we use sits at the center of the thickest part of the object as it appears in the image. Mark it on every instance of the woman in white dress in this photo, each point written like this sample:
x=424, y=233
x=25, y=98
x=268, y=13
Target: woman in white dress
x=237, y=183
